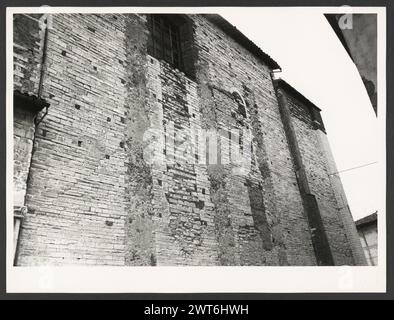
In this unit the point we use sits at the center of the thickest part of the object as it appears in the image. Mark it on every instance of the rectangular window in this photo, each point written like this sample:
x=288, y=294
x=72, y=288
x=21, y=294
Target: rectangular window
x=164, y=42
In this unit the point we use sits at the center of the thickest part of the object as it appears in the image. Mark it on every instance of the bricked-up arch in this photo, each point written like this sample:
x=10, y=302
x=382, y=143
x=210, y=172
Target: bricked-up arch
x=240, y=101
x=171, y=39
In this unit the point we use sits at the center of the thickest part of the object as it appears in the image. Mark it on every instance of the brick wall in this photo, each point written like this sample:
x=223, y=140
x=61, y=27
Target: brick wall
x=317, y=170
x=76, y=196
x=121, y=174
x=281, y=235
x=28, y=48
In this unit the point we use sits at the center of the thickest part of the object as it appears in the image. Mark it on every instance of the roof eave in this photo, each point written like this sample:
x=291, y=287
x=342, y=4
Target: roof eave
x=294, y=92
x=237, y=35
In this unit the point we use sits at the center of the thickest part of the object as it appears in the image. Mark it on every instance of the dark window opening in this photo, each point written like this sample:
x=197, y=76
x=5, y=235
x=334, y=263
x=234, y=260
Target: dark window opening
x=242, y=110
x=171, y=40
x=240, y=114
x=241, y=105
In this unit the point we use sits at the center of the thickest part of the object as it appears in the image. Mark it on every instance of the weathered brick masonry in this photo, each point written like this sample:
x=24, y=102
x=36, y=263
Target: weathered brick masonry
x=132, y=162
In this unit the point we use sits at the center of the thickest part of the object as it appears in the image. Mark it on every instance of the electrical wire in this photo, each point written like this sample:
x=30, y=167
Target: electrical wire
x=358, y=167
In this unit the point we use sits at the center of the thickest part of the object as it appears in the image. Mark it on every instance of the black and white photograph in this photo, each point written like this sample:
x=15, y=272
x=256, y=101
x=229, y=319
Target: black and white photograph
x=209, y=145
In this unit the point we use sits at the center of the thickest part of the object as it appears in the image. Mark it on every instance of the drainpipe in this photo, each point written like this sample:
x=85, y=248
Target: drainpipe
x=318, y=234
x=40, y=89
x=44, y=54
x=19, y=217
x=43, y=67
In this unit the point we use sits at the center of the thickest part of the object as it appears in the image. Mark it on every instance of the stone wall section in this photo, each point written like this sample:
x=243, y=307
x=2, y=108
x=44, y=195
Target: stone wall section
x=223, y=64
x=76, y=195
x=28, y=38
x=318, y=177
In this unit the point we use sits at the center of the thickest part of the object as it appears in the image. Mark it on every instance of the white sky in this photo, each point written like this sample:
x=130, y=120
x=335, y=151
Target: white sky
x=315, y=63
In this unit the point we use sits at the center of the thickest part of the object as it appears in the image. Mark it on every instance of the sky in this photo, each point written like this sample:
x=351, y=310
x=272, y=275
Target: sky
x=315, y=63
